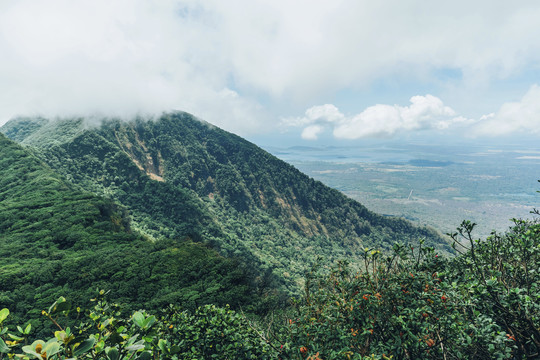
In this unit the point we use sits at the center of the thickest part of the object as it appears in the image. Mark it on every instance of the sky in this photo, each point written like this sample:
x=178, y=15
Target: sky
x=307, y=72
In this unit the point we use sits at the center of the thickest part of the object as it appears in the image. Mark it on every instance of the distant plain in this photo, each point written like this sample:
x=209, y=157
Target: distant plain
x=435, y=185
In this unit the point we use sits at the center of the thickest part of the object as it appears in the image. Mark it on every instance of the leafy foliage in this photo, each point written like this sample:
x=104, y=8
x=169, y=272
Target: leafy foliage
x=103, y=333
x=413, y=304
x=181, y=177
x=56, y=239
x=410, y=304
x=189, y=186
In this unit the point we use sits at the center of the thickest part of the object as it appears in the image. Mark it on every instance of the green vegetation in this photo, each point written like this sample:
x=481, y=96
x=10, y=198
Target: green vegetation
x=180, y=177
x=103, y=333
x=175, y=211
x=56, y=239
x=415, y=304
x=410, y=304
x=22, y=128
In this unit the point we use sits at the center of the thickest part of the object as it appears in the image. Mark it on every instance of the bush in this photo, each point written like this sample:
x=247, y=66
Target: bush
x=410, y=304
x=400, y=306
x=208, y=332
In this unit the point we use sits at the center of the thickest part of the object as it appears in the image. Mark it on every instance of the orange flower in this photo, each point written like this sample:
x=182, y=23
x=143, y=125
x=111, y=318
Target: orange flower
x=430, y=342
x=303, y=349
x=366, y=296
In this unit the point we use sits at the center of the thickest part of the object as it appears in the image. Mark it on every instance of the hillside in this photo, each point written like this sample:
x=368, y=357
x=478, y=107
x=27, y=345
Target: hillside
x=58, y=240
x=179, y=176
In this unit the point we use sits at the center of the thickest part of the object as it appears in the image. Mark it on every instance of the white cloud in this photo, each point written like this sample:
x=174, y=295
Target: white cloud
x=312, y=132
x=521, y=116
x=120, y=57
x=327, y=112
x=425, y=113
x=304, y=48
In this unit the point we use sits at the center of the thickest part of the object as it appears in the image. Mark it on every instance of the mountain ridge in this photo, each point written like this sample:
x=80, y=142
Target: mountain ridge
x=56, y=239
x=179, y=176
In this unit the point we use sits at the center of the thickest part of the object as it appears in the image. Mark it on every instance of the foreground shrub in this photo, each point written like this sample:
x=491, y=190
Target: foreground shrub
x=400, y=306
x=413, y=304
x=499, y=278
x=207, y=333
x=410, y=304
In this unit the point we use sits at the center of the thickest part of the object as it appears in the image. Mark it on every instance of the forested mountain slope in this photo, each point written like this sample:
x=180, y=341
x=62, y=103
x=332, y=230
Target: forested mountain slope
x=58, y=240
x=180, y=176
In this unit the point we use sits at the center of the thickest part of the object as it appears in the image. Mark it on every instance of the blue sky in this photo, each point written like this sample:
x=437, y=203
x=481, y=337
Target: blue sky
x=279, y=71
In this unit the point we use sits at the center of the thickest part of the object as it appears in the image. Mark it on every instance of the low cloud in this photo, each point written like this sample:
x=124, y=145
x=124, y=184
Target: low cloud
x=424, y=113
x=119, y=58
x=513, y=117
x=312, y=132
x=238, y=63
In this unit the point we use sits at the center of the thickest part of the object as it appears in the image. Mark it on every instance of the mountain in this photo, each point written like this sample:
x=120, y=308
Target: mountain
x=56, y=239
x=180, y=177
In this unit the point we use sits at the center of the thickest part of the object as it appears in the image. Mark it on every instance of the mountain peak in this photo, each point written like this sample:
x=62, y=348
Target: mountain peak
x=179, y=176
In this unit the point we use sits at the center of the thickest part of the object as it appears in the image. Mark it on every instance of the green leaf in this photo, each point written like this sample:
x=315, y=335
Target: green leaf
x=99, y=346
x=132, y=339
x=113, y=354
x=135, y=347
x=149, y=322
x=3, y=314
x=162, y=344
x=15, y=337
x=84, y=346
x=75, y=340
x=138, y=318
x=115, y=338
x=175, y=349
x=60, y=305
x=3, y=347
x=51, y=347
x=31, y=349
